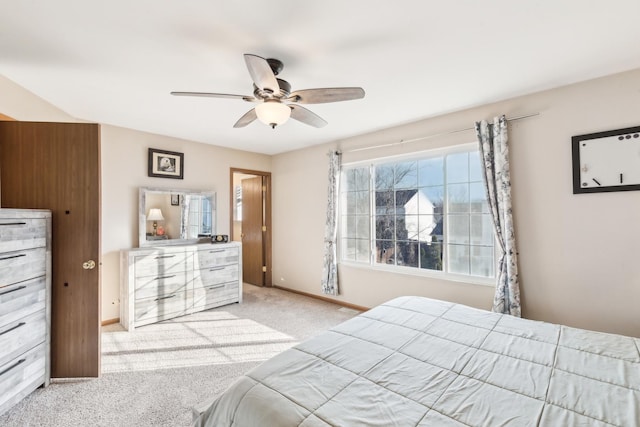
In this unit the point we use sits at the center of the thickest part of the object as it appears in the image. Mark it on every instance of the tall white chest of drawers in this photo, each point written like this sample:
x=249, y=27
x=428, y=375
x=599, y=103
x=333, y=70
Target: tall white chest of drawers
x=161, y=283
x=25, y=303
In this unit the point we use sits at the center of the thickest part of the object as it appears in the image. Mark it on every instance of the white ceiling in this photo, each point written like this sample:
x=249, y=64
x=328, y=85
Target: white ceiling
x=115, y=62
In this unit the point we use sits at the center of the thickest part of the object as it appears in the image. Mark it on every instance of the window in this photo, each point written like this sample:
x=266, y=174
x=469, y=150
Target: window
x=200, y=216
x=428, y=212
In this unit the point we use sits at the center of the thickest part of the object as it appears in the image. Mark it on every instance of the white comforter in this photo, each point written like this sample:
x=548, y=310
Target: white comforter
x=419, y=362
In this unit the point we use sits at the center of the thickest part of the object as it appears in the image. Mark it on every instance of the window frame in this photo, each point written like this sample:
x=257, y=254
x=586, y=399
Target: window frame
x=412, y=271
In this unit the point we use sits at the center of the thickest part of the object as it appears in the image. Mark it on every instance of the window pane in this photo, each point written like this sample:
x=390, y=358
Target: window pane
x=431, y=172
x=406, y=175
x=362, y=202
x=458, y=198
x=478, y=198
x=362, y=250
x=426, y=225
x=348, y=249
x=482, y=261
x=458, y=228
x=401, y=227
x=475, y=166
x=418, y=227
x=385, y=204
x=481, y=230
x=434, y=197
x=351, y=203
x=431, y=256
x=348, y=226
x=385, y=227
x=384, y=177
x=457, y=168
x=385, y=252
x=458, y=259
x=348, y=181
x=407, y=201
x=362, y=227
x=407, y=254
x=361, y=179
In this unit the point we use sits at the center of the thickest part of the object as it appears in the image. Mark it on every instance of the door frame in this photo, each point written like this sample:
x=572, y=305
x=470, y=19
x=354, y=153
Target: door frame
x=268, y=280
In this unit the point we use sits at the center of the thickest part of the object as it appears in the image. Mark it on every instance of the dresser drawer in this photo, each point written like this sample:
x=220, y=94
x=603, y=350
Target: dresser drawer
x=211, y=257
x=21, y=376
x=22, y=299
x=162, y=264
x=22, y=335
x=22, y=265
x=157, y=286
x=152, y=310
x=215, y=275
x=215, y=295
x=23, y=233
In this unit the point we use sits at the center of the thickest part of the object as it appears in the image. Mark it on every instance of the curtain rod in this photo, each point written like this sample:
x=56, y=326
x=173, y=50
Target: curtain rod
x=406, y=141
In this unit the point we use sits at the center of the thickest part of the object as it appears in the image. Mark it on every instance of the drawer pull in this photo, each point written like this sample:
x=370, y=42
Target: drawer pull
x=12, y=366
x=12, y=290
x=217, y=286
x=13, y=223
x=167, y=297
x=165, y=277
x=12, y=256
x=216, y=251
x=216, y=268
x=11, y=329
x=164, y=256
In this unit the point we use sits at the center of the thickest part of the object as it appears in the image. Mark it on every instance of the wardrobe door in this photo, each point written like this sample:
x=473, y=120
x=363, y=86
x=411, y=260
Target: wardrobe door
x=56, y=166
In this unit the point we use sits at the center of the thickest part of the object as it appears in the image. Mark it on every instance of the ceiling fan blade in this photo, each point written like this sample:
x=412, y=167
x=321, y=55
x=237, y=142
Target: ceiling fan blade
x=324, y=95
x=215, y=95
x=261, y=73
x=305, y=116
x=248, y=118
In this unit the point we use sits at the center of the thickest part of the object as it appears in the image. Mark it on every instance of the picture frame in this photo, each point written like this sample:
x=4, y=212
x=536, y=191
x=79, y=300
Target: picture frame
x=175, y=199
x=165, y=164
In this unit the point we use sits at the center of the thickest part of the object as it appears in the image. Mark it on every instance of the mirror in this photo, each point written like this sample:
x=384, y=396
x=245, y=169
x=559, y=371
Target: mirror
x=175, y=216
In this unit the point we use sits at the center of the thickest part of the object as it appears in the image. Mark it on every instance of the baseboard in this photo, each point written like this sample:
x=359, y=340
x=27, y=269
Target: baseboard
x=326, y=299
x=110, y=321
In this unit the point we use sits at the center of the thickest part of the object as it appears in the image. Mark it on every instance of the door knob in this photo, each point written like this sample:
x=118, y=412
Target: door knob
x=89, y=265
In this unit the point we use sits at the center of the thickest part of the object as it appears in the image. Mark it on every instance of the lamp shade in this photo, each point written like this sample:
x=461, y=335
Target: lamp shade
x=155, y=215
x=273, y=113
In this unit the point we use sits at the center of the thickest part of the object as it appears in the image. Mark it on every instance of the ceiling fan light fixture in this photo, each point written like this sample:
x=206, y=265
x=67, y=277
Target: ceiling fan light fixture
x=273, y=113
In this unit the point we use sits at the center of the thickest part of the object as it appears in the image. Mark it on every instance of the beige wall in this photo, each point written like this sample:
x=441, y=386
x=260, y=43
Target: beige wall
x=124, y=170
x=578, y=253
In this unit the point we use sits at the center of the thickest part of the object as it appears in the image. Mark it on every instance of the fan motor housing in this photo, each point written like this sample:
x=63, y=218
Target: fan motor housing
x=285, y=91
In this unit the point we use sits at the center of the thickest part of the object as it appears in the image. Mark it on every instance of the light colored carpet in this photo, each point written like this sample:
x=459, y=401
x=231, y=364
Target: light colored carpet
x=154, y=375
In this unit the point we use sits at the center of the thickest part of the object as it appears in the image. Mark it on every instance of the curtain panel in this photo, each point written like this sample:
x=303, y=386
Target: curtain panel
x=494, y=151
x=330, y=264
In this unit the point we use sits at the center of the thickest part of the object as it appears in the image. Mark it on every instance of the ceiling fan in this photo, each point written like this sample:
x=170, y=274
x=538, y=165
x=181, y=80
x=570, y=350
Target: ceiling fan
x=276, y=102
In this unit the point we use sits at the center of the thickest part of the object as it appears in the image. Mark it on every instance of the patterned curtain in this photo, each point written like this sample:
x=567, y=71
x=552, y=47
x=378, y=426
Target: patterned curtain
x=494, y=150
x=330, y=267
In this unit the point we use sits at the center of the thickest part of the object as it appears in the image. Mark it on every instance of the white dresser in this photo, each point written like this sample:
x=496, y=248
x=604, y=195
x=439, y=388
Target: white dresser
x=25, y=303
x=164, y=282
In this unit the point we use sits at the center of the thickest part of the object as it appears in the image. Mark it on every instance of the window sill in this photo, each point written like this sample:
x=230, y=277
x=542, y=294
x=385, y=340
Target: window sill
x=411, y=271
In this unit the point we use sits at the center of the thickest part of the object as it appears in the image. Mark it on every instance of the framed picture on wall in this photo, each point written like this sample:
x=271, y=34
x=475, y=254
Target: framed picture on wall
x=165, y=164
x=175, y=200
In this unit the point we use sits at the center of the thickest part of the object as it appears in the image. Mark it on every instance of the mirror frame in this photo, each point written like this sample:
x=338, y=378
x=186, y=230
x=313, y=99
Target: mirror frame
x=142, y=216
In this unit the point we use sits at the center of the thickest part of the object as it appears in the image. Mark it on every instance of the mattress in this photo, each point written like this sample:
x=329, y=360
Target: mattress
x=416, y=361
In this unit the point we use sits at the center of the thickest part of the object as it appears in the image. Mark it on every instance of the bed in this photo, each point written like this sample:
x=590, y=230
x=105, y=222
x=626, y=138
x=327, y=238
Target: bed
x=416, y=361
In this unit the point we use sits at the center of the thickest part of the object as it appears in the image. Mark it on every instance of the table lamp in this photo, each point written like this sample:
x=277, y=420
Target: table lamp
x=155, y=215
